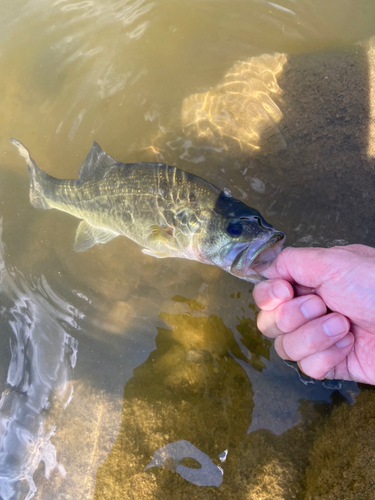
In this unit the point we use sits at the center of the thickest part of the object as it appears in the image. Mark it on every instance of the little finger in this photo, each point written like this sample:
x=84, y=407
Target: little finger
x=322, y=364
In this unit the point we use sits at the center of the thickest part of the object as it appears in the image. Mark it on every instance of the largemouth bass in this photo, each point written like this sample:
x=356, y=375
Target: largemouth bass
x=169, y=212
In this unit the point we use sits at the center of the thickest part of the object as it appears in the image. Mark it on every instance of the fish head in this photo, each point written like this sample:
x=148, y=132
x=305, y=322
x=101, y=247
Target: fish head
x=240, y=241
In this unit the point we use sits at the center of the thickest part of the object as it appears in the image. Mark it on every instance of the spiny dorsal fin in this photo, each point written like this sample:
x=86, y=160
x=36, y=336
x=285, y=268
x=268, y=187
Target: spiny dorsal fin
x=96, y=164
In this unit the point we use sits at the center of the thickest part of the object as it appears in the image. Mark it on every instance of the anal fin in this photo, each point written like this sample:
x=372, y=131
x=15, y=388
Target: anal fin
x=88, y=236
x=155, y=253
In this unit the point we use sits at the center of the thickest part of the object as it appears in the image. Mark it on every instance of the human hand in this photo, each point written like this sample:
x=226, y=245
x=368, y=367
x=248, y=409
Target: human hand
x=319, y=306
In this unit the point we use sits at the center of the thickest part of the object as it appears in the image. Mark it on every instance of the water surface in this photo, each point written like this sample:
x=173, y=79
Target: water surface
x=108, y=356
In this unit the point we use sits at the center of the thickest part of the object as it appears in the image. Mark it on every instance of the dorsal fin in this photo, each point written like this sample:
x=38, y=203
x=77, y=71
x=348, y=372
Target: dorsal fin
x=96, y=164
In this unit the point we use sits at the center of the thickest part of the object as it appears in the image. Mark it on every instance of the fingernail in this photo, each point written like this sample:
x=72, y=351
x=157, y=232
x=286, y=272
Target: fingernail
x=313, y=308
x=335, y=325
x=348, y=339
x=280, y=291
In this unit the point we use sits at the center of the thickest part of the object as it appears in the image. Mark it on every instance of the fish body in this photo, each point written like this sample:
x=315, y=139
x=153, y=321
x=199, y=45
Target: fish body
x=167, y=211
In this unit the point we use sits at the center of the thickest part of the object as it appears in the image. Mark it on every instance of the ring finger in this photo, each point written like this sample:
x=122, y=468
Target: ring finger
x=315, y=336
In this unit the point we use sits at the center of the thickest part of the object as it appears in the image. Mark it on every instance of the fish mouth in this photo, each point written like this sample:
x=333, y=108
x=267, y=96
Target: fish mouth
x=257, y=256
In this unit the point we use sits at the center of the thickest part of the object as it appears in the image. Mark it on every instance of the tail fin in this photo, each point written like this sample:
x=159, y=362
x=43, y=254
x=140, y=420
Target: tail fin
x=37, y=197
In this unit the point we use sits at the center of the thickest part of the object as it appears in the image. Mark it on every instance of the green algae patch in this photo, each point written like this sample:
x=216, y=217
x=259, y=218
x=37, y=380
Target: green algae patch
x=190, y=388
x=342, y=461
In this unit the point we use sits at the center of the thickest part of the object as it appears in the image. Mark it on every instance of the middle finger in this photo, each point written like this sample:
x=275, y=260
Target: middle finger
x=290, y=315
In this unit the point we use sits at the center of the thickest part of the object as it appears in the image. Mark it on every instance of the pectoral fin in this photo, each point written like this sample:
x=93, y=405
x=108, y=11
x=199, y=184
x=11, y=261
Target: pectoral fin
x=88, y=236
x=155, y=253
x=161, y=233
x=188, y=221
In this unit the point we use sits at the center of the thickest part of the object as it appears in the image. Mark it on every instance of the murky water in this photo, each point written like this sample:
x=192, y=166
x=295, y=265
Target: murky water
x=113, y=362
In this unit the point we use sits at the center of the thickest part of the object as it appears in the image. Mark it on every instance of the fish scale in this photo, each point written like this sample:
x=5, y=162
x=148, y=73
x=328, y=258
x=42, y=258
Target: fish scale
x=167, y=211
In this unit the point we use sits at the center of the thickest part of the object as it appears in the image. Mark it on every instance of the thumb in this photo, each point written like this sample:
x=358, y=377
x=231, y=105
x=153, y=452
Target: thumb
x=309, y=267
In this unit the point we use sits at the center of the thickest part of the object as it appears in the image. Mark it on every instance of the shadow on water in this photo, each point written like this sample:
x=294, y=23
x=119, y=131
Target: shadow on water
x=306, y=160
x=321, y=184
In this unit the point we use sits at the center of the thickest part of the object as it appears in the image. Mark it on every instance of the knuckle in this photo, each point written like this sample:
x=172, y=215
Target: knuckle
x=282, y=259
x=280, y=348
x=284, y=320
x=281, y=324
x=266, y=324
x=261, y=323
x=311, y=344
x=260, y=294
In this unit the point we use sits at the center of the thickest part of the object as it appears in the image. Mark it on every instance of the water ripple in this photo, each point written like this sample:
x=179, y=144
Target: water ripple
x=43, y=355
x=125, y=11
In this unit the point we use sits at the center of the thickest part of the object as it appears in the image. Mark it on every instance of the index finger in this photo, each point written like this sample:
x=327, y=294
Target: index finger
x=271, y=293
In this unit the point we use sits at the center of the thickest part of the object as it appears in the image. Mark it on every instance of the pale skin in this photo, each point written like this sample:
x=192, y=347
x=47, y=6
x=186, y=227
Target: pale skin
x=319, y=306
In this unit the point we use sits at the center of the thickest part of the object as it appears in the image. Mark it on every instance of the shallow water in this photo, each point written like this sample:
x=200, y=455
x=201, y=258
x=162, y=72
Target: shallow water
x=109, y=355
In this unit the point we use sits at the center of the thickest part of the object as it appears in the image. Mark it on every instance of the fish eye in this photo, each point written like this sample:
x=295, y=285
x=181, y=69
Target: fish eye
x=234, y=229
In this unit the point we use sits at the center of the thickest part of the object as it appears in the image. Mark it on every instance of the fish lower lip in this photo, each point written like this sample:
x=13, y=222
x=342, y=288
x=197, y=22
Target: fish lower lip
x=269, y=243
x=250, y=260
x=238, y=257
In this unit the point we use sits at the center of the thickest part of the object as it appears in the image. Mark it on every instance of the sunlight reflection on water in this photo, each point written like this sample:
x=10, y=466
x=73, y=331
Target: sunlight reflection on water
x=43, y=355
